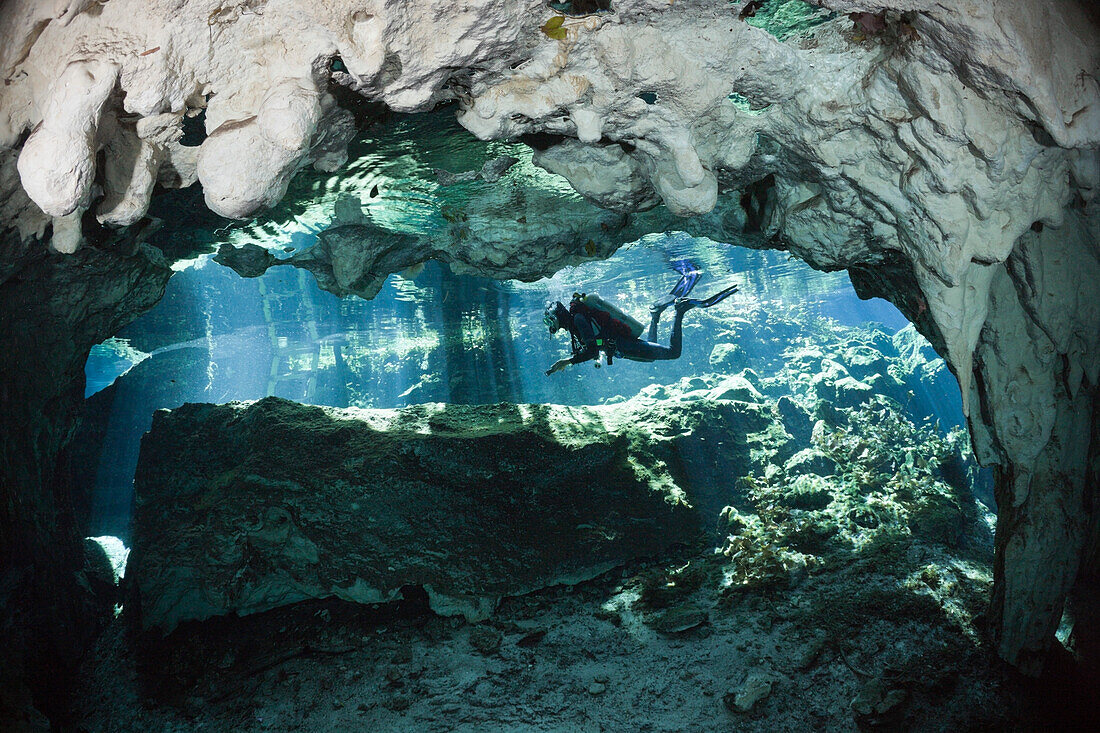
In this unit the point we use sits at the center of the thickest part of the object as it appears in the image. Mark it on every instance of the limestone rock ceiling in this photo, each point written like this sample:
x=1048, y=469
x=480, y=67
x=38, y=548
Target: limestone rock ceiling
x=396, y=203
x=938, y=150
x=925, y=138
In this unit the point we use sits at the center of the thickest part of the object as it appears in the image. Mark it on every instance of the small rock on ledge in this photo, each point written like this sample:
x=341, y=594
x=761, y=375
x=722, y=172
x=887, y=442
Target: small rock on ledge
x=757, y=687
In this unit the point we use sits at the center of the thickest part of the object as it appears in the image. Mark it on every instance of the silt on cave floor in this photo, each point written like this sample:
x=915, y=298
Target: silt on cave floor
x=651, y=648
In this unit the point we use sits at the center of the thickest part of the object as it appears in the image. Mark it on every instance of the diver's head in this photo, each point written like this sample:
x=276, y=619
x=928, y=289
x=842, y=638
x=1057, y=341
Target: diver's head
x=555, y=316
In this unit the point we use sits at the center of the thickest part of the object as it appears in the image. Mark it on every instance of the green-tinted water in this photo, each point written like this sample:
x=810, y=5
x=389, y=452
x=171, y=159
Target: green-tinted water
x=789, y=17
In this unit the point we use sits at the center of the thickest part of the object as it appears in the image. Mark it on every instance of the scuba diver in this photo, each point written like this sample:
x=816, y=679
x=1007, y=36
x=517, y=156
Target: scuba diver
x=596, y=326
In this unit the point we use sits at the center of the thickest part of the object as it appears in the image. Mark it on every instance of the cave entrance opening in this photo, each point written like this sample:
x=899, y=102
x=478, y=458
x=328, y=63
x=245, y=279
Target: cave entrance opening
x=810, y=428
x=433, y=336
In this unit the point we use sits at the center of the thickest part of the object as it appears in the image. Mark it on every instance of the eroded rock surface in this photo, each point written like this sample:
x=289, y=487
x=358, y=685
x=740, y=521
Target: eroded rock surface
x=849, y=597
x=245, y=507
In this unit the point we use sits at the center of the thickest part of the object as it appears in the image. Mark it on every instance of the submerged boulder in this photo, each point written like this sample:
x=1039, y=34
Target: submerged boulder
x=245, y=507
x=728, y=357
x=737, y=387
x=810, y=461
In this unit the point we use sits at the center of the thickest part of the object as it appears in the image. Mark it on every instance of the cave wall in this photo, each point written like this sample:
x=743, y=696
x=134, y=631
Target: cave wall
x=931, y=143
x=1038, y=361
x=53, y=308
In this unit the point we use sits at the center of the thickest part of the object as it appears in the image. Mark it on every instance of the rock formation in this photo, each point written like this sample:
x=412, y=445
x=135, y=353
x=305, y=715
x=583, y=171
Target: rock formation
x=245, y=507
x=874, y=522
x=946, y=154
x=52, y=313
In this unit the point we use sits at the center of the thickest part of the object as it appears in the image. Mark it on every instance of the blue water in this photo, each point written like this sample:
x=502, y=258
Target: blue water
x=271, y=334
x=217, y=337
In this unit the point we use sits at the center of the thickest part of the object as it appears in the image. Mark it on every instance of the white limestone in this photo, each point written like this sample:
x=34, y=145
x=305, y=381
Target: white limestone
x=57, y=162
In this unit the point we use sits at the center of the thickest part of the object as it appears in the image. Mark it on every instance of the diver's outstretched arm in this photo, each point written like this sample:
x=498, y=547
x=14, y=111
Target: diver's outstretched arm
x=588, y=349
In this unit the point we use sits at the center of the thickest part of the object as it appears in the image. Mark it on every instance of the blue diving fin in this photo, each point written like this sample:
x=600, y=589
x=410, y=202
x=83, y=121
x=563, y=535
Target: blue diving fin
x=685, y=303
x=689, y=275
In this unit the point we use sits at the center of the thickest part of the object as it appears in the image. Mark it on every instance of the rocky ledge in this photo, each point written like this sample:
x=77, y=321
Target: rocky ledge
x=245, y=507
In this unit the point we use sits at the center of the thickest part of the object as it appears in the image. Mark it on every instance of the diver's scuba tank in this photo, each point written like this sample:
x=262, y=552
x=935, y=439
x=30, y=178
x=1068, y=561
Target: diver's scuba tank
x=592, y=300
x=605, y=345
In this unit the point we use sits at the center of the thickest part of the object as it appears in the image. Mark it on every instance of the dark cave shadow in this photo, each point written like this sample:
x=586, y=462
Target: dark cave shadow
x=225, y=653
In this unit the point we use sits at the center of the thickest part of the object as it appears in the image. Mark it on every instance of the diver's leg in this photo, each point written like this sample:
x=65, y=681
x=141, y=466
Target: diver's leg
x=676, y=342
x=655, y=315
x=638, y=350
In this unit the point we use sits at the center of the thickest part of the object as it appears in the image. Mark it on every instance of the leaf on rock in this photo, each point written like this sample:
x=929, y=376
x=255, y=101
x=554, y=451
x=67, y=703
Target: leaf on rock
x=553, y=28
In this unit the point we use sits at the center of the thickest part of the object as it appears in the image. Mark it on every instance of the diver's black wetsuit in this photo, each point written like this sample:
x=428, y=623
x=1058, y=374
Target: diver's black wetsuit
x=586, y=347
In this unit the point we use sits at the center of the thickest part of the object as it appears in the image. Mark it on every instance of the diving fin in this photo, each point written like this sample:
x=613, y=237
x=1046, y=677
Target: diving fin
x=689, y=275
x=707, y=302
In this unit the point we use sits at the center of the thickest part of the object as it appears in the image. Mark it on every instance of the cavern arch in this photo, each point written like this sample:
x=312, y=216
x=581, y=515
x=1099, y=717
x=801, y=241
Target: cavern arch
x=947, y=158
